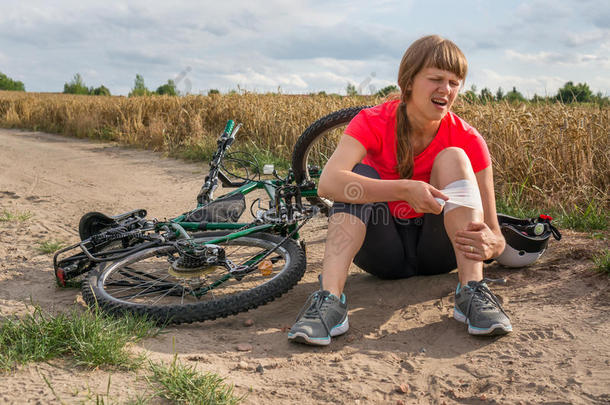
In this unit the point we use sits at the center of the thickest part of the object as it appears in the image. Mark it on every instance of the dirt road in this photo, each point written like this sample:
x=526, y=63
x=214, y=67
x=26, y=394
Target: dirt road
x=401, y=331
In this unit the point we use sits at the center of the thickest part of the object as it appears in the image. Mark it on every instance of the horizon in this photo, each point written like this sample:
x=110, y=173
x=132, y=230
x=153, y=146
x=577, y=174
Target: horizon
x=300, y=47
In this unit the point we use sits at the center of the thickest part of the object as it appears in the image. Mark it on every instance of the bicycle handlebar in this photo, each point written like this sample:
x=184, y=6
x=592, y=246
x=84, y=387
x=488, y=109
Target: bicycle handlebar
x=229, y=127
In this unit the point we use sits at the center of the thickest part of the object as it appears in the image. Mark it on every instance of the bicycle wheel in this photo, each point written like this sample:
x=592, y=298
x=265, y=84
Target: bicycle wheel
x=146, y=283
x=314, y=147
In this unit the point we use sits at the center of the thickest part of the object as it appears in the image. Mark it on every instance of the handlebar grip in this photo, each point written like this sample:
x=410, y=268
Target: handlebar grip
x=229, y=127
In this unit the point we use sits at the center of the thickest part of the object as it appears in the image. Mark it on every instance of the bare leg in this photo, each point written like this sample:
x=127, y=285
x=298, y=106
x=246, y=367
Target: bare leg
x=452, y=164
x=345, y=237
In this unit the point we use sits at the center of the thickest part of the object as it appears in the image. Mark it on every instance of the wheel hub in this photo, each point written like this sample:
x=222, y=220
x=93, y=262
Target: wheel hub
x=197, y=262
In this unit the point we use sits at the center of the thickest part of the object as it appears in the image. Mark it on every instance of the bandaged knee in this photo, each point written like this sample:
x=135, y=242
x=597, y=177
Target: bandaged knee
x=462, y=193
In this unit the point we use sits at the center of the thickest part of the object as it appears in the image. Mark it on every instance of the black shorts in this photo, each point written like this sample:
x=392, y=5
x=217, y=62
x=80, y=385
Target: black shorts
x=398, y=248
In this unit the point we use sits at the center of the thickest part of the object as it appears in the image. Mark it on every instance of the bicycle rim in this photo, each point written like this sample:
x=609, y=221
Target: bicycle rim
x=145, y=283
x=315, y=146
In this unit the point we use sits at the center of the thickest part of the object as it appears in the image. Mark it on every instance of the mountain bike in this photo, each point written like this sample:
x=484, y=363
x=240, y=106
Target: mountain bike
x=204, y=264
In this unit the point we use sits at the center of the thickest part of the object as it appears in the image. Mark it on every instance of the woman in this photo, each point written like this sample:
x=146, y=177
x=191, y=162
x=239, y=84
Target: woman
x=386, y=177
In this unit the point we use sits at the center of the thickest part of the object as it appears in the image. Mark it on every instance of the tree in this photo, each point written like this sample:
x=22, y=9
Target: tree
x=539, y=99
x=471, y=95
x=600, y=99
x=76, y=86
x=101, y=91
x=486, y=96
x=139, y=88
x=580, y=93
x=387, y=90
x=168, y=89
x=351, y=90
x=499, y=94
x=212, y=92
x=514, y=96
x=6, y=83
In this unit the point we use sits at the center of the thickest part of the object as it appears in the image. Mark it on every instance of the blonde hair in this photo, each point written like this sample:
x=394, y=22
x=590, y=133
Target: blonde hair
x=429, y=51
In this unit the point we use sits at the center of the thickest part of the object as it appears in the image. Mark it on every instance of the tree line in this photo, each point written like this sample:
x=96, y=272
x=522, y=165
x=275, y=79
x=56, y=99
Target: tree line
x=569, y=93
x=77, y=86
x=6, y=83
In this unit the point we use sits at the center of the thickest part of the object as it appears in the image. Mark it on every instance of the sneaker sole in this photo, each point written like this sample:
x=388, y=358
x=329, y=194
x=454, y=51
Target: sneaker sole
x=495, y=329
x=301, y=337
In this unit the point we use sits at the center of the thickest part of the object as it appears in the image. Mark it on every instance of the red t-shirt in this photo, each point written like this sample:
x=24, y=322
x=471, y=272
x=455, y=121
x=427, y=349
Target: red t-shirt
x=375, y=129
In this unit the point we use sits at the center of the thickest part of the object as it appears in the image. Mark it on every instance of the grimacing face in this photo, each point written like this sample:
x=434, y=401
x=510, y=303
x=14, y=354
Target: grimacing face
x=433, y=92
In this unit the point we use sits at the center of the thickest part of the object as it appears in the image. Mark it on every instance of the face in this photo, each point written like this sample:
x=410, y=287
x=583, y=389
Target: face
x=433, y=92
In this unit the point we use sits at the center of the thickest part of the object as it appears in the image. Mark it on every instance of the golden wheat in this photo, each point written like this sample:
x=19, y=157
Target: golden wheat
x=549, y=155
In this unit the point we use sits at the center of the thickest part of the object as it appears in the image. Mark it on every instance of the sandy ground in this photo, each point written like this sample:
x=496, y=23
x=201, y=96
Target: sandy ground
x=401, y=332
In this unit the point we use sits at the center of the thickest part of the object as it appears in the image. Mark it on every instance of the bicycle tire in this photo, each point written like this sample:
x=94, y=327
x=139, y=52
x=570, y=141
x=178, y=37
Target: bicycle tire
x=98, y=291
x=315, y=145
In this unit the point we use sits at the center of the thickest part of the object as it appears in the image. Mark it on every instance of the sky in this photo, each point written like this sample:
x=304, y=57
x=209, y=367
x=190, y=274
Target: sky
x=300, y=46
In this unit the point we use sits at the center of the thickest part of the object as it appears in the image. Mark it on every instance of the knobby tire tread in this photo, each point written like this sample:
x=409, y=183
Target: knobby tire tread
x=315, y=130
x=208, y=310
x=310, y=136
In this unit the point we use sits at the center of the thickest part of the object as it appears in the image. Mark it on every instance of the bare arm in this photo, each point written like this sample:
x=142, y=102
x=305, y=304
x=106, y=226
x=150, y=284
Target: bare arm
x=339, y=183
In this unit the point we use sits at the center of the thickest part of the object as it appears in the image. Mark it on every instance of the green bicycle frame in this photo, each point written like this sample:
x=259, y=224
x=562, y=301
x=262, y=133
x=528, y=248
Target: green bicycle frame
x=182, y=227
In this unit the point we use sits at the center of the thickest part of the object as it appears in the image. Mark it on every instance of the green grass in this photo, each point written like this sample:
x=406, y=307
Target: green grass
x=254, y=155
x=97, y=398
x=592, y=218
x=8, y=216
x=89, y=338
x=264, y=156
x=183, y=384
x=50, y=246
x=175, y=382
x=602, y=262
x=515, y=209
x=92, y=339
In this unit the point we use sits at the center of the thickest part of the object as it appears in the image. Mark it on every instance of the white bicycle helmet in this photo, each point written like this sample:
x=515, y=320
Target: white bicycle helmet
x=526, y=239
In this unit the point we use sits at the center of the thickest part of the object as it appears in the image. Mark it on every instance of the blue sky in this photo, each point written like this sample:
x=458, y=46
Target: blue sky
x=300, y=46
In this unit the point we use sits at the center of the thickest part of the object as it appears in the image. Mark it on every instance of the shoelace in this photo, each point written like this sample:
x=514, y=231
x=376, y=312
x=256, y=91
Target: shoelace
x=319, y=301
x=482, y=296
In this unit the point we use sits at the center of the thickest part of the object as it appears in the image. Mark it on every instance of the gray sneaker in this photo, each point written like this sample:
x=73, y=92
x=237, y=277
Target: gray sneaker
x=476, y=305
x=323, y=316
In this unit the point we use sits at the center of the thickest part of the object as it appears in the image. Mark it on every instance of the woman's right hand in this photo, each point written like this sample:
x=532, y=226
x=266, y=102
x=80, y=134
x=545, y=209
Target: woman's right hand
x=421, y=196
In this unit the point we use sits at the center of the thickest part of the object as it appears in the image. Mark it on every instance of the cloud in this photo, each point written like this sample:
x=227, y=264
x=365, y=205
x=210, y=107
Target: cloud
x=579, y=39
x=342, y=41
x=301, y=45
x=563, y=58
x=253, y=79
x=136, y=58
x=542, y=57
x=603, y=82
x=544, y=11
x=528, y=85
x=596, y=12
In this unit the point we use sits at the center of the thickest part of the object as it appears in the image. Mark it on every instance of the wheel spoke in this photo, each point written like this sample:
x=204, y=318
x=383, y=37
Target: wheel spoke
x=145, y=282
x=149, y=287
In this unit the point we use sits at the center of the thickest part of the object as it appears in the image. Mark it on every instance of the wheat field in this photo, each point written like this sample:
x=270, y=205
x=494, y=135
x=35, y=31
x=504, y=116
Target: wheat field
x=546, y=155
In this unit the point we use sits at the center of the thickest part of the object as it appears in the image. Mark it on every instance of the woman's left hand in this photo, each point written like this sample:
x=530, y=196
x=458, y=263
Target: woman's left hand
x=478, y=242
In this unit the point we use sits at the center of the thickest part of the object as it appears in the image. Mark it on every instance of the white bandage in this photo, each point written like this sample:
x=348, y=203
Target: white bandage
x=462, y=193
